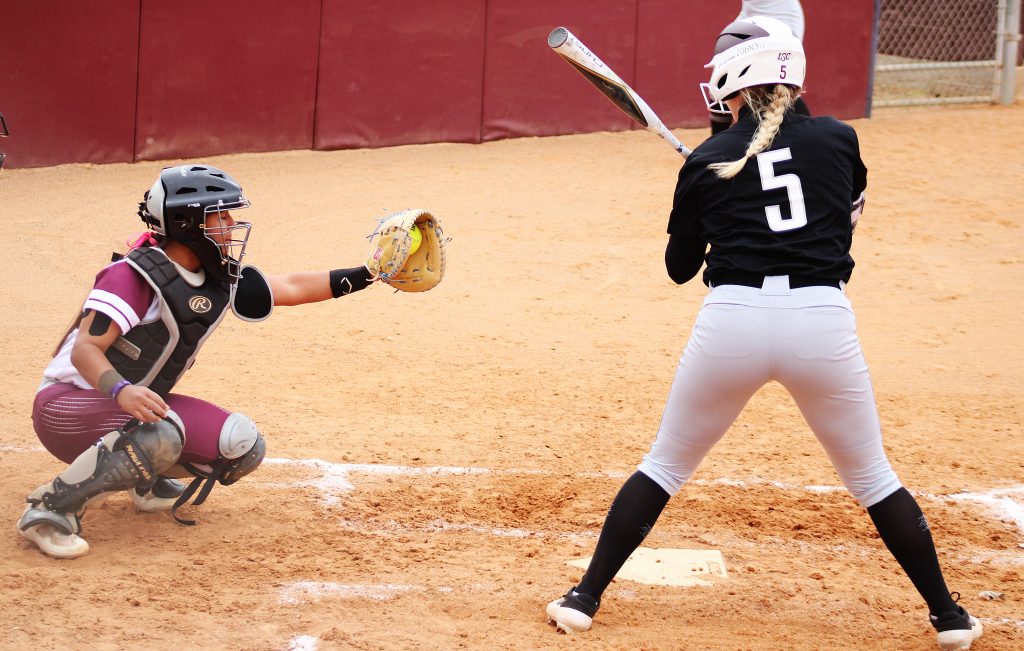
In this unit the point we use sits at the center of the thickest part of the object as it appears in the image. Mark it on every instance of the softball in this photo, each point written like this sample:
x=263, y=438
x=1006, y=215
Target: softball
x=417, y=239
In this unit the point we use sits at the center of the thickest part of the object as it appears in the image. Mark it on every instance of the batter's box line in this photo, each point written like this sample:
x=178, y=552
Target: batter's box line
x=335, y=481
x=391, y=528
x=303, y=592
x=303, y=643
x=21, y=448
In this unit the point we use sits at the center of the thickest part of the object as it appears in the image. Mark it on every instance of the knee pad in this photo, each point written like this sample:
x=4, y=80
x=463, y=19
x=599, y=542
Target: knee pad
x=237, y=436
x=243, y=447
x=159, y=444
x=131, y=456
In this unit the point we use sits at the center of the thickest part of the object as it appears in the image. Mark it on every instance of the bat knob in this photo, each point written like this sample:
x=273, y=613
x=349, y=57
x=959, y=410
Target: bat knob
x=558, y=36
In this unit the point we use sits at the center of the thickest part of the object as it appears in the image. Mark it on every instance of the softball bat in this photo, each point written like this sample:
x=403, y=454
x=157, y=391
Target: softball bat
x=588, y=64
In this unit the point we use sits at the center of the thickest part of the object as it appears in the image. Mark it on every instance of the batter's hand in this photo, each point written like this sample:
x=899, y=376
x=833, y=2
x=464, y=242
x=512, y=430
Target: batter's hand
x=142, y=403
x=857, y=210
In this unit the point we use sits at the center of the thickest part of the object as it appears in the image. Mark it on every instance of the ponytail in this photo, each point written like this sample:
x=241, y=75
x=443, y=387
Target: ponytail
x=769, y=105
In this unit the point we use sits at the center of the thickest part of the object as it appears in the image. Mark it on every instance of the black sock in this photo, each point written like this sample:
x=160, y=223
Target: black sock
x=630, y=518
x=904, y=530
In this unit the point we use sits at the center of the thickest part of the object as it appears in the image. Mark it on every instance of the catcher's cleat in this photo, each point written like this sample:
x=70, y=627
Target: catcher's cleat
x=573, y=613
x=956, y=630
x=160, y=497
x=55, y=534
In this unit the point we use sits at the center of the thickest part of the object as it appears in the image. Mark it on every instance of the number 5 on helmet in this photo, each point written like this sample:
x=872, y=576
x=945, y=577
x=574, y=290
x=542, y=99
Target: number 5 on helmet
x=390, y=259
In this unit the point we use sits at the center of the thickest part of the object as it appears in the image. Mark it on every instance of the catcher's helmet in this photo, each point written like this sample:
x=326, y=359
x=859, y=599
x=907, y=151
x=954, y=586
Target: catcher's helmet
x=751, y=52
x=177, y=207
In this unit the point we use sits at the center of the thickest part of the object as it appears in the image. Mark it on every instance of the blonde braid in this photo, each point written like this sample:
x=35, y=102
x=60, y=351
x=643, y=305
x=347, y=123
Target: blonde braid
x=768, y=109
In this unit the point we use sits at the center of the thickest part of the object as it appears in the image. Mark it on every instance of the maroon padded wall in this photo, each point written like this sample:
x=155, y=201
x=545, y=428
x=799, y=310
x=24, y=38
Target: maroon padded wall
x=659, y=47
x=67, y=81
x=675, y=40
x=394, y=72
x=529, y=90
x=191, y=78
x=837, y=40
x=226, y=76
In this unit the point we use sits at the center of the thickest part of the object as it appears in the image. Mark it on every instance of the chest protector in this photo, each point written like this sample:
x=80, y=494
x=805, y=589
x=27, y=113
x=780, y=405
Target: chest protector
x=157, y=354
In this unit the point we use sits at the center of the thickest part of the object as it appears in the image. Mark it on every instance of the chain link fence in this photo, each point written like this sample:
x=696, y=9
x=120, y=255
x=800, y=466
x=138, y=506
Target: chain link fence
x=944, y=51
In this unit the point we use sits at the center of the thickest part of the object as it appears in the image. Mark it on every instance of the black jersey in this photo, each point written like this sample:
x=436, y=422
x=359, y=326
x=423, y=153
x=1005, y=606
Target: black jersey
x=786, y=212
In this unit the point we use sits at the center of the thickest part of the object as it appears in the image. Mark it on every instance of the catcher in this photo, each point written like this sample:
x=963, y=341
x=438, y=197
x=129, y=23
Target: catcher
x=105, y=405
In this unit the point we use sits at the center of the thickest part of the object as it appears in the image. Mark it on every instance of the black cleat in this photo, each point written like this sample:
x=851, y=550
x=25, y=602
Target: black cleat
x=574, y=612
x=957, y=630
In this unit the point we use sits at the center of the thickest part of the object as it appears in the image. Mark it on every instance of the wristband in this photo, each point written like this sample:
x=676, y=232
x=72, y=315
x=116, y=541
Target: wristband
x=108, y=381
x=117, y=388
x=346, y=281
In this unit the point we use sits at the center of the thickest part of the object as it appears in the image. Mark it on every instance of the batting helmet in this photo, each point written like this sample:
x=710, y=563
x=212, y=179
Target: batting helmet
x=751, y=52
x=177, y=207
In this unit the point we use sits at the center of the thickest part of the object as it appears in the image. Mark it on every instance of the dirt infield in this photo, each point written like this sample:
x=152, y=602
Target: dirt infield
x=435, y=460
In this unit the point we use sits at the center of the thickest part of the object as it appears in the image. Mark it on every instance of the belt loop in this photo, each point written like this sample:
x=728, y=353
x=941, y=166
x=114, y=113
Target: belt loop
x=775, y=286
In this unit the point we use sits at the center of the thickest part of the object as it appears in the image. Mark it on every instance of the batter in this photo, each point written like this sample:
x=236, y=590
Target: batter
x=770, y=206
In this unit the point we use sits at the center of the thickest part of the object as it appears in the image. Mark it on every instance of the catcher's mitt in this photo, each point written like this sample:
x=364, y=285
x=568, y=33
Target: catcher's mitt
x=390, y=259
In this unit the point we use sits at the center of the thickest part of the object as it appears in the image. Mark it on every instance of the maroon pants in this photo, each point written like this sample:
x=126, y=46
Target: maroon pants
x=68, y=420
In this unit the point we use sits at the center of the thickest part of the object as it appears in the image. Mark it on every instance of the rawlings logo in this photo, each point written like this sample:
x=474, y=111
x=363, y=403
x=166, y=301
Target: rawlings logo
x=141, y=467
x=200, y=304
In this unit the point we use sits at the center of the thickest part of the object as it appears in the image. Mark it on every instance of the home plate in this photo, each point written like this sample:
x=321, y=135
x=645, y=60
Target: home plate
x=680, y=567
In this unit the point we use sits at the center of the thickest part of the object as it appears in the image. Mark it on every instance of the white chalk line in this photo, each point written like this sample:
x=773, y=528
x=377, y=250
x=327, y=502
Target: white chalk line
x=391, y=528
x=335, y=480
x=304, y=643
x=1004, y=503
x=19, y=448
x=302, y=592
x=999, y=501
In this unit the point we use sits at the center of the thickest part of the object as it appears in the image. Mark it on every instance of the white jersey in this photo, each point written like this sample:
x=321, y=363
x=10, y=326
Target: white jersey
x=788, y=11
x=123, y=295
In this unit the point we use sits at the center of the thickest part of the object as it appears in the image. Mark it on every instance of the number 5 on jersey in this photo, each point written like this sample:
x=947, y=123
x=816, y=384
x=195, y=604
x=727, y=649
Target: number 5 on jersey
x=794, y=191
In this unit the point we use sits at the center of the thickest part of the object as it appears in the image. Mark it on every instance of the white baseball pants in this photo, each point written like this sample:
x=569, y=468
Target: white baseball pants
x=805, y=339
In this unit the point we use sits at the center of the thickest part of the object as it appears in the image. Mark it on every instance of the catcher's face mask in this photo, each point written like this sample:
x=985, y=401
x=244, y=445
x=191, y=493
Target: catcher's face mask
x=229, y=236
x=3, y=134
